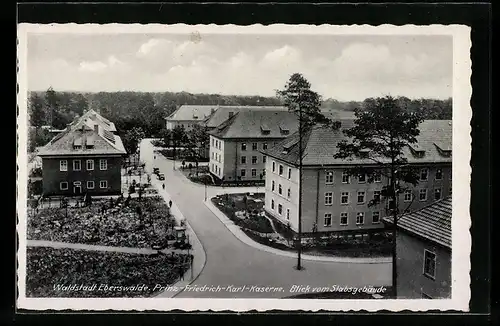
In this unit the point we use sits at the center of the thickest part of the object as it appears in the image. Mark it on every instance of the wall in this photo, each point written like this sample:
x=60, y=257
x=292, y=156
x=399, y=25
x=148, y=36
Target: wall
x=410, y=266
x=186, y=124
x=52, y=176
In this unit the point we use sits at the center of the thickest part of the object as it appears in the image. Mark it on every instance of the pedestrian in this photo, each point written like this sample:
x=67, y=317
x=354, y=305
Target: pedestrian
x=155, y=157
x=181, y=273
x=163, y=186
x=170, y=203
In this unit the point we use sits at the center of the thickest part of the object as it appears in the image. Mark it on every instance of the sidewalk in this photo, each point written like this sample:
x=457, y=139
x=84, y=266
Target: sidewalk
x=238, y=233
x=199, y=257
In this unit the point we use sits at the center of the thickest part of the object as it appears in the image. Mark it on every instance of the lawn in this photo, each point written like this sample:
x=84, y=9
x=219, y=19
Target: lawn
x=244, y=210
x=50, y=270
x=138, y=223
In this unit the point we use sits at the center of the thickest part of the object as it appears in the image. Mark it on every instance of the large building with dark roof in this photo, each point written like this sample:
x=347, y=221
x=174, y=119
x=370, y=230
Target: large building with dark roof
x=333, y=201
x=85, y=158
x=423, y=251
x=186, y=116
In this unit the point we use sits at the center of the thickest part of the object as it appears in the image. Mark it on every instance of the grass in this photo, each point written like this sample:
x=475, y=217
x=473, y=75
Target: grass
x=49, y=269
x=121, y=226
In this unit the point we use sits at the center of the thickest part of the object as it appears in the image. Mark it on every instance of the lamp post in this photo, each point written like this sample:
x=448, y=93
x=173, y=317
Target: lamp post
x=205, y=179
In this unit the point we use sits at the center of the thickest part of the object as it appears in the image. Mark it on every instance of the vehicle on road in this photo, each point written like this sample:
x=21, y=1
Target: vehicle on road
x=156, y=170
x=161, y=176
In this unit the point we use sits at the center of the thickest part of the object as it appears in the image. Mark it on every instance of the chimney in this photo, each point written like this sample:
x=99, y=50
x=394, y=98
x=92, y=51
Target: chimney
x=96, y=128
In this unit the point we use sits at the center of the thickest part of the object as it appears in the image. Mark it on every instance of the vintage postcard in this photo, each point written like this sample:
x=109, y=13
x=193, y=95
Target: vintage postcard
x=236, y=168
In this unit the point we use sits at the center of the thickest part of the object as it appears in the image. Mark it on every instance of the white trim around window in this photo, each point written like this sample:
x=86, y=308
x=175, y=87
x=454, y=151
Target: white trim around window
x=346, y=216
x=327, y=221
x=376, y=217
x=360, y=218
x=433, y=257
x=103, y=164
x=63, y=165
x=63, y=185
x=77, y=165
x=328, y=198
x=90, y=184
x=103, y=184
x=90, y=165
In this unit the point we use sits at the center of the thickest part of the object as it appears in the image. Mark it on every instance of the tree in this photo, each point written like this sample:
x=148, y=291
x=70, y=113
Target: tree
x=178, y=138
x=200, y=137
x=132, y=138
x=36, y=110
x=381, y=132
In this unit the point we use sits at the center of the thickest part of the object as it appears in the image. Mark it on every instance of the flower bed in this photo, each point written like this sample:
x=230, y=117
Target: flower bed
x=121, y=226
x=233, y=204
x=52, y=273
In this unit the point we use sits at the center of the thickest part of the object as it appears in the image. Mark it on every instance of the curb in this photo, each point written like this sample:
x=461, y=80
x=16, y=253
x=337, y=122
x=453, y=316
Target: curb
x=240, y=235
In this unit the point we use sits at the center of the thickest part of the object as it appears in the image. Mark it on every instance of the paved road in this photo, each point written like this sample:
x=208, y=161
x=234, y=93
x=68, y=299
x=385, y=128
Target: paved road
x=230, y=262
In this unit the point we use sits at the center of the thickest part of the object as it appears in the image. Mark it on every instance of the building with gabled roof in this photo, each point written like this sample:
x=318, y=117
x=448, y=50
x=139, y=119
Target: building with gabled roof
x=423, y=251
x=188, y=115
x=84, y=158
x=224, y=112
x=334, y=201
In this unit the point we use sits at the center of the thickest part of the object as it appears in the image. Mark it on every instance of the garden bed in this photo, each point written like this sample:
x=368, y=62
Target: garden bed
x=140, y=223
x=64, y=272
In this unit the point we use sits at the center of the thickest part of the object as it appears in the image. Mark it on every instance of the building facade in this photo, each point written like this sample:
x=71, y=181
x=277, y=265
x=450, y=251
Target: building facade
x=186, y=116
x=334, y=200
x=85, y=158
x=423, y=247
x=236, y=145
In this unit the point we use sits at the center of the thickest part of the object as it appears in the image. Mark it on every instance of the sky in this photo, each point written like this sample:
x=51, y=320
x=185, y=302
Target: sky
x=343, y=67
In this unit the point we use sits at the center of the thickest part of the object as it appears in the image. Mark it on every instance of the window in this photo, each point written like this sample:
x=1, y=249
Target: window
x=280, y=209
x=360, y=218
x=281, y=170
x=243, y=160
x=264, y=158
x=376, y=196
x=254, y=146
x=288, y=213
x=345, y=177
x=77, y=165
x=289, y=173
x=263, y=172
x=423, y=174
x=274, y=166
x=429, y=264
x=243, y=146
x=328, y=219
x=264, y=146
x=437, y=194
x=90, y=165
x=376, y=217
x=422, y=195
x=272, y=185
x=377, y=177
x=328, y=198
x=439, y=174
x=362, y=178
x=63, y=185
x=329, y=177
x=343, y=218
x=90, y=184
x=272, y=203
x=103, y=164
x=280, y=190
x=407, y=195
x=243, y=172
x=254, y=172
x=63, y=165
x=361, y=197
x=344, y=198
x=103, y=184
x=289, y=193
x=254, y=159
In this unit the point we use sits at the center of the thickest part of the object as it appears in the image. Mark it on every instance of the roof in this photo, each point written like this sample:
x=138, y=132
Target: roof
x=432, y=222
x=88, y=133
x=192, y=112
x=320, y=144
x=257, y=124
x=222, y=113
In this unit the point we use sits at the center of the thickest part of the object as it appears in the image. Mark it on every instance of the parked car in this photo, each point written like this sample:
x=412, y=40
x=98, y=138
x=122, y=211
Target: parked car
x=161, y=176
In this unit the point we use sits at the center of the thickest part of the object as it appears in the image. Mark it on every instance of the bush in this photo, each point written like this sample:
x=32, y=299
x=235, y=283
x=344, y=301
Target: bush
x=157, y=143
x=201, y=179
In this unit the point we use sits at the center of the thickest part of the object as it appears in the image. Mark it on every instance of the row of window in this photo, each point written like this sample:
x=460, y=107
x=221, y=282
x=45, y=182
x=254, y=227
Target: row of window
x=254, y=146
x=216, y=143
x=361, y=196
x=64, y=185
x=253, y=172
x=254, y=159
x=217, y=157
x=281, y=170
x=280, y=190
x=280, y=209
x=77, y=165
x=344, y=218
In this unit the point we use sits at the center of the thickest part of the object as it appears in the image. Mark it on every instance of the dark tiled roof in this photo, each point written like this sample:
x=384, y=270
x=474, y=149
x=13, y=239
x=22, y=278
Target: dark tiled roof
x=253, y=123
x=432, y=222
x=82, y=132
x=192, y=112
x=320, y=145
x=222, y=113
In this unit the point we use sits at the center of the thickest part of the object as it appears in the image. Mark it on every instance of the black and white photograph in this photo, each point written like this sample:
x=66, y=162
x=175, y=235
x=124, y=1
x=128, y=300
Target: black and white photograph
x=285, y=166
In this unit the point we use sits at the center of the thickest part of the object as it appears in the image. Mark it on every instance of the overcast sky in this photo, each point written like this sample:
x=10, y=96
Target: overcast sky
x=340, y=67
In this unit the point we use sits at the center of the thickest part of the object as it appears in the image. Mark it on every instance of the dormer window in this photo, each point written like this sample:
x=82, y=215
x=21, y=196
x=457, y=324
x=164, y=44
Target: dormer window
x=417, y=151
x=284, y=130
x=364, y=152
x=444, y=150
x=265, y=129
x=77, y=143
x=89, y=142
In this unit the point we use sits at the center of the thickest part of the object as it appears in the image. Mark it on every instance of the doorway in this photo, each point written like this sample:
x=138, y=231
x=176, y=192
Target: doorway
x=77, y=188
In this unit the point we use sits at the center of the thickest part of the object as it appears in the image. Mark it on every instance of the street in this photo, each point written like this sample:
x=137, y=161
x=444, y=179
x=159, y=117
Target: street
x=241, y=270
